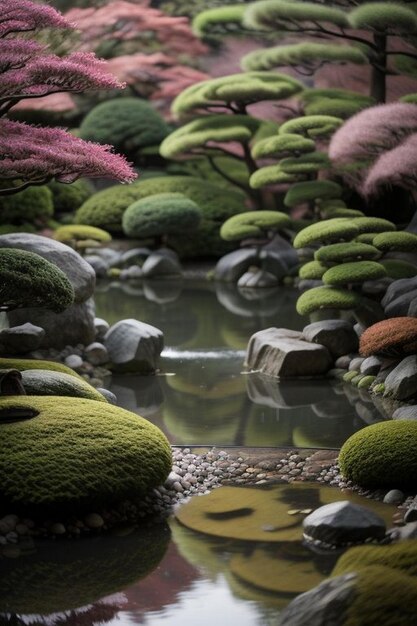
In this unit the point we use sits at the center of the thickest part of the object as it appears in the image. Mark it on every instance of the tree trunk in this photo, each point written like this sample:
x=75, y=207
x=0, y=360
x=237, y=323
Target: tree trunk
x=379, y=70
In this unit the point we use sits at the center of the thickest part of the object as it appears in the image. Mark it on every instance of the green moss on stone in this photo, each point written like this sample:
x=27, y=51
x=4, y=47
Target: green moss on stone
x=366, y=382
x=253, y=224
x=44, y=382
x=355, y=272
x=373, y=224
x=402, y=241
x=398, y=269
x=37, y=364
x=79, y=232
x=381, y=455
x=313, y=270
x=326, y=298
x=326, y=231
x=345, y=252
x=399, y=556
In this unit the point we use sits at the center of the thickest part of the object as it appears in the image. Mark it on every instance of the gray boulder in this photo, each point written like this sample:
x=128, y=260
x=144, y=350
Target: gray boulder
x=370, y=366
x=258, y=279
x=101, y=327
x=132, y=256
x=337, y=336
x=405, y=413
x=401, y=382
x=342, y=523
x=231, y=266
x=79, y=272
x=132, y=272
x=398, y=288
x=282, y=353
x=21, y=339
x=49, y=383
x=98, y=264
x=133, y=346
x=161, y=265
x=96, y=353
x=401, y=305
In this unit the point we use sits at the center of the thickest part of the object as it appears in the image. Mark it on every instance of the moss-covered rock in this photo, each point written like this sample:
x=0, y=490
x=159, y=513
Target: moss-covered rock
x=373, y=224
x=381, y=455
x=399, y=556
x=326, y=231
x=161, y=214
x=313, y=270
x=402, y=241
x=29, y=280
x=71, y=452
x=326, y=298
x=33, y=206
x=38, y=364
x=354, y=272
x=79, y=232
x=68, y=198
x=397, y=268
x=346, y=252
x=43, y=382
x=253, y=224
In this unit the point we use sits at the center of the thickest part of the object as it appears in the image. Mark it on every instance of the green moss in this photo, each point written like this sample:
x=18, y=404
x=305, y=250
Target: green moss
x=129, y=124
x=326, y=298
x=366, y=238
x=373, y=224
x=271, y=175
x=68, y=198
x=78, y=232
x=397, y=269
x=209, y=21
x=355, y=272
x=349, y=376
x=345, y=252
x=378, y=389
x=402, y=241
x=306, y=163
x=28, y=280
x=366, y=382
x=326, y=231
x=330, y=212
x=279, y=14
x=253, y=224
x=286, y=144
x=33, y=206
x=37, y=364
x=44, y=382
x=384, y=17
x=313, y=270
x=77, y=452
x=311, y=190
x=381, y=455
x=312, y=125
x=401, y=557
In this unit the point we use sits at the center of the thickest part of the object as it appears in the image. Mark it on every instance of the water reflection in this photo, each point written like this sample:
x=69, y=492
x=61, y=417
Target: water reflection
x=202, y=397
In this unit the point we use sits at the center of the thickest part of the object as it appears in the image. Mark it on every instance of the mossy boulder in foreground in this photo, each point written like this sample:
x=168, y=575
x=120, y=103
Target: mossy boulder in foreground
x=71, y=453
x=381, y=455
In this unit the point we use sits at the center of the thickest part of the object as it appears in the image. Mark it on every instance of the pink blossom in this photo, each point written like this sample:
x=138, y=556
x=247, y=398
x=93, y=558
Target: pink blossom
x=24, y=15
x=396, y=167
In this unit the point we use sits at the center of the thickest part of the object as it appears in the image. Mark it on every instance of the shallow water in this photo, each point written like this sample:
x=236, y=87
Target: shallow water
x=202, y=395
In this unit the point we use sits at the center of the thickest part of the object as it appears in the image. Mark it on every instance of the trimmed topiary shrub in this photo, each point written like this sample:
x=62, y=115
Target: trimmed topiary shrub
x=29, y=280
x=312, y=125
x=79, y=232
x=382, y=455
x=160, y=215
x=355, y=272
x=402, y=241
x=326, y=231
x=373, y=224
x=128, y=124
x=346, y=252
x=326, y=298
x=33, y=206
x=311, y=190
x=68, y=198
x=397, y=269
x=282, y=145
x=253, y=224
x=313, y=270
x=71, y=452
x=396, y=336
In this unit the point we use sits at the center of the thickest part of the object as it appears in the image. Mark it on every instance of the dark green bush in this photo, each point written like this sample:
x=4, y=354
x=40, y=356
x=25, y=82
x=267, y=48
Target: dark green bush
x=33, y=205
x=68, y=198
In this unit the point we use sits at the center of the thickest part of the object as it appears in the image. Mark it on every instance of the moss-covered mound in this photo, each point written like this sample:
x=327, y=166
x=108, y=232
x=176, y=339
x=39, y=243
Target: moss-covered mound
x=396, y=241
x=399, y=556
x=38, y=382
x=346, y=252
x=313, y=270
x=381, y=455
x=326, y=231
x=311, y=190
x=253, y=224
x=282, y=145
x=396, y=336
x=373, y=224
x=61, y=579
x=326, y=298
x=161, y=214
x=128, y=124
x=72, y=453
x=36, y=364
x=355, y=272
x=397, y=269
x=79, y=232
x=68, y=198
x=29, y=280
x=33, y=205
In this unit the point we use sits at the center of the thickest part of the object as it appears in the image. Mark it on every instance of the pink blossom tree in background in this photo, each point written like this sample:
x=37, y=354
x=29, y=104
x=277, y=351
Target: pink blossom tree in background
x=32, y=155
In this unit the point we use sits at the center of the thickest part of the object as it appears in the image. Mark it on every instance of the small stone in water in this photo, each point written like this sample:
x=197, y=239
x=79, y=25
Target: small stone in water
x=94, y=520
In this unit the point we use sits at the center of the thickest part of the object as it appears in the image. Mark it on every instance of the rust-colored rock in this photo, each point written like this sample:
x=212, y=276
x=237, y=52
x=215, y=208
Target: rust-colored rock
x=396, y=336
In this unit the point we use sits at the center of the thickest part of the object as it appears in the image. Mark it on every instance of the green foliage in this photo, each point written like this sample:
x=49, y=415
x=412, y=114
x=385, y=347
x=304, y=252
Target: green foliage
x=400, y=556
x=384, y=17
x=77, y=452
x=218, y=19
x=241, y=89
x=32, y=364
x=311, y=190
x=353, y=272
x=68, y=198
x=320, y=298
x=45, y=382
x=346, y=252
x=313, y=270
x=373, y=224
x=340, y=103
x=305, y=54
x=210, y=128
x=281, y=15
x=271, y=175
x=253, y=224
x=402, y=241
x=161, y=214
x=397, y=269
x=312, y=125
x=29, y=280
x=200, y=167
x=33, y=205
x=310, y=163
x=329, y=212
x=282, y=145
x=129, y=124
x=382, y=455
x=79, y=232
x=326, y=231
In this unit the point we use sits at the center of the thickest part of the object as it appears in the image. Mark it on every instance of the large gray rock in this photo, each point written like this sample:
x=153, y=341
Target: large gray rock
x=401, y=382
x=80, y=274
x=72, y=326
x=341, y=523
x=405, y=413
x=162, y=265
x=231, y=266
x=398, y=288
x=338, y=336
x=21, y=339
x=401, y=305
x=50, y=383
x=370, y=366
x=257, y=280
x=282, y=353
x=98, y=264
x=133, y=346
x=135, y=255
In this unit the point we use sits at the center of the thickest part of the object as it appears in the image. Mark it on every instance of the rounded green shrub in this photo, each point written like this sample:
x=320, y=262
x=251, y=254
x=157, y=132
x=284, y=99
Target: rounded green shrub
x=128, y=124
x=345, y=252
x=160, y=214
x=326, y=231
x=79, y=232
x=384, y=17
x=29, y=280
x=329, y=212
x=373, y=224
x=305, y=164
x=313, y=270
x=283, y=145
x=271, y=175
x=312, y=125
x=33, y=206
x=355, y=272
x=72, y=452
x=326, y=298
x=402, y=241
x=311, y=190
x=398, y=269
x=68, y=198
x=253, y=224
x=366, y=238
x=382, y=455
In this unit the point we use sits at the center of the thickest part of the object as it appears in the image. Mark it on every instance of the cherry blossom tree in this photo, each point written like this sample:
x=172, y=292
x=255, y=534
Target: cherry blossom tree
x=32, y=155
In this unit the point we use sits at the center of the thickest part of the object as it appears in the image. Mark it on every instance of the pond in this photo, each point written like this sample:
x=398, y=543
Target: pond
x=202, y=395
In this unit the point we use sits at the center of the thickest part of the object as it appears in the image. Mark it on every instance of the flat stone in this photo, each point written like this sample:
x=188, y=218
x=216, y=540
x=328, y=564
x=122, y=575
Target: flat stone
x=96, y=353
x=343, y=522
x=356, y=363
x=160, y=265
x=405, y=413
x=134, y=346
x=282, y=353
x=231, y=266
x=131, y=273
x=21, y=339
x=258, y=279
x=394, y=496
x=370, y=366
x=337, y=336
x=401, y=382
x=400, y=306
x=398, y=288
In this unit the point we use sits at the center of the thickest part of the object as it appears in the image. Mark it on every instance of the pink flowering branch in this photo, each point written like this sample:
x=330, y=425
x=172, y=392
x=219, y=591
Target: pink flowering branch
x=36, y=155
x=24, y=15
x=397, y=167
